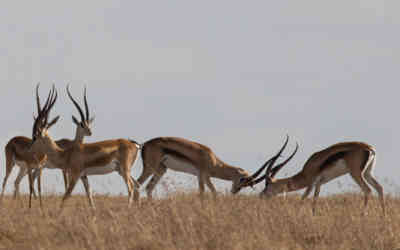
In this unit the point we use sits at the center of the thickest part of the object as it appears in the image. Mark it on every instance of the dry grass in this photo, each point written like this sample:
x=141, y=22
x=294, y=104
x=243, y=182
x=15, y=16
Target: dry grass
x=182, y=221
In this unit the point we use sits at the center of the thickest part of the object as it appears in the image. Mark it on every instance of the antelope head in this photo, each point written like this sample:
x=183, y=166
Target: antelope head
x=84, y=125
x=252, y=180
x=41, y=125
x=272, y=187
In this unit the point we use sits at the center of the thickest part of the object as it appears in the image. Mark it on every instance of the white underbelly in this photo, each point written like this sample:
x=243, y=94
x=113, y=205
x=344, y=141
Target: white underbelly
x=180, y=166
x=100, y=170
x=340, y=168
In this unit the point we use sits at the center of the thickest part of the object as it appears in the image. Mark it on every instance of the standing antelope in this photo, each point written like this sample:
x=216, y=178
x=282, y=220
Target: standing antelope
x=190, y=157
x=354, y=158
x=85, y=159
x=17, y=153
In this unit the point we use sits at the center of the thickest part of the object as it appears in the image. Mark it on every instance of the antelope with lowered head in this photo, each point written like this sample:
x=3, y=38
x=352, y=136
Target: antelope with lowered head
x=162, y=153
x=354, y=158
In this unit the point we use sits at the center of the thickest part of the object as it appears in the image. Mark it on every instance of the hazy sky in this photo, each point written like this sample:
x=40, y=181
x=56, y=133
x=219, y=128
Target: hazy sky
x=233, y=75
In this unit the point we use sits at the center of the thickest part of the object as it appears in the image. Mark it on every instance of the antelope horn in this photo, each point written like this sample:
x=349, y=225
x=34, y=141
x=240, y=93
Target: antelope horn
x=270, y=162
x=43, y=112
x=86, y=105
x=276, y=169
x=37, y=98
x=76, y=104
x=51, y=104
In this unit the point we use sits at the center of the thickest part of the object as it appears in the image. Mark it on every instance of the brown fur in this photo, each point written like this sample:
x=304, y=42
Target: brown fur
x=16, y=150
x=200, y=156
x=355, y=155
x=79, y=157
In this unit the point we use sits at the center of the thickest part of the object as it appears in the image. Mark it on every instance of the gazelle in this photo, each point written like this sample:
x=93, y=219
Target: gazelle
x=16, y=150
x=160, y=154
x=85, y=159
x=354, y=158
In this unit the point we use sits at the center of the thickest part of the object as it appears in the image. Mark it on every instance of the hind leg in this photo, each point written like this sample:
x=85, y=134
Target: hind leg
x=136, y=186
x=155, y=179
x=151, y=160
x=151, y=165
x=357, y=177
x=9, y=167
x=129, y=185
x=374, y=183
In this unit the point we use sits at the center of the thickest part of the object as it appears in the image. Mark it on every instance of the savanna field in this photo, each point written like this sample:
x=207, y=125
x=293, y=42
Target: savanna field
x=184, y=221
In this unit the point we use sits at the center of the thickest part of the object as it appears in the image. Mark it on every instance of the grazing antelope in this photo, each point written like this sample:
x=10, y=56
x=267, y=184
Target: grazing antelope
x=85, y=159
x=17, y=153
x=190, y=157
x=354, y=158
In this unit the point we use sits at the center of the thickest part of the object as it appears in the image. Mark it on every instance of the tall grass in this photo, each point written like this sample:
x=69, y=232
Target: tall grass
x=183, y=221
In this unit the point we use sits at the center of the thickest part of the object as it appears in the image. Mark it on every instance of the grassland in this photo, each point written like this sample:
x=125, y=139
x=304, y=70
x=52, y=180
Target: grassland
x=183, y=221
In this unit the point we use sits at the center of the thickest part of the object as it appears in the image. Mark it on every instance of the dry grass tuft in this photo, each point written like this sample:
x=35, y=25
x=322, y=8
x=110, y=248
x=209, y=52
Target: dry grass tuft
x=182, y=221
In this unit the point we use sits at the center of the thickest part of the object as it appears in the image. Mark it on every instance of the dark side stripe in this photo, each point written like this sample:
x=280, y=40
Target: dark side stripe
x=333, y=158
x=177, y=155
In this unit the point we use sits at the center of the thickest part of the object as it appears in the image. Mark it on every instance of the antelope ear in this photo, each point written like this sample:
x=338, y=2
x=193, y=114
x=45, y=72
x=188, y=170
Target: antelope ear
x=54, y=121
x=75, y=120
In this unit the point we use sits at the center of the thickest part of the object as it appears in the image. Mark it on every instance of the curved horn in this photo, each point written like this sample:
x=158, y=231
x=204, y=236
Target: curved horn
x=43, y=112
x=36, y=119
x=37, y=98
x=76, y=104
x=270, y=162
x=276, y=169
x=86, y=105
x=53, y=100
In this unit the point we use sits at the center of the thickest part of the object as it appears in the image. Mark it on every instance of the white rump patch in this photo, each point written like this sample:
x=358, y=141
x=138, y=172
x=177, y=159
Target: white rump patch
x=106, y=169
x=338, y=169
x=180, y=166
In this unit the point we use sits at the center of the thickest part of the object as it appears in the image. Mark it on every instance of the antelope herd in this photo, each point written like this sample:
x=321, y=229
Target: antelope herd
x=77, y=160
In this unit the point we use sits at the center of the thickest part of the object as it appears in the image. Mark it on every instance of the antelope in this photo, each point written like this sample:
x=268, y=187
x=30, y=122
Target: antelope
x=162, y=153
x=17, y=153
x=85, y=158
x=354, y=158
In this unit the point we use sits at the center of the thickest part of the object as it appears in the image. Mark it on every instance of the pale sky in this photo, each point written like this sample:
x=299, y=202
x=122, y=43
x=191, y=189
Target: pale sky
x=236, y=76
